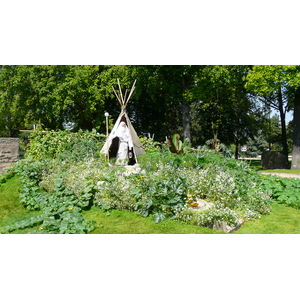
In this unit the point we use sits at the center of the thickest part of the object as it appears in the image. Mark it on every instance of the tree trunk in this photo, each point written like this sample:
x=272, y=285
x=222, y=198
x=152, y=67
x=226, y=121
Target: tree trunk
x=283, y=130
x=186, y=121
x=186, y=114
x=296, y=135
x=236, y=153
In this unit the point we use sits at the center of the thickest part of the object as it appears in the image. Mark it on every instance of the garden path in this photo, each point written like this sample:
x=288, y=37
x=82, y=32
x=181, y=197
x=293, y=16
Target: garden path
x=287, y=175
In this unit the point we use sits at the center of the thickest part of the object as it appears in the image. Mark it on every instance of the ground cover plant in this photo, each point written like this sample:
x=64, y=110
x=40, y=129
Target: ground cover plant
x=281, y=220
x=11, y=209
x=62, y=183
x=60, y=209
x=283, y=190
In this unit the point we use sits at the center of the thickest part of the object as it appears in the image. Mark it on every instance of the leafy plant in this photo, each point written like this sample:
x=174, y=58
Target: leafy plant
x=62, y=185
x=64, y=145
x=284, y=190
x=150, y=145
x=177, y=146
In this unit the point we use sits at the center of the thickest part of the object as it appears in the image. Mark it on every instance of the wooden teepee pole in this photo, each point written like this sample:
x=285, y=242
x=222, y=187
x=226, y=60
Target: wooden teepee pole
x=121, y=92
x=132, y=89
x=117, y=96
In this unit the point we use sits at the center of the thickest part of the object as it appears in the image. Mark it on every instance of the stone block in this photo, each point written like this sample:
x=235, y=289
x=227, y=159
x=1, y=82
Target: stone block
x=9, y=150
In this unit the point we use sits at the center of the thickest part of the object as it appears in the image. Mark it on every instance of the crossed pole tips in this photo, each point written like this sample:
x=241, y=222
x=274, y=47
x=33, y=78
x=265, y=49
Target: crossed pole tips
x=123, y=99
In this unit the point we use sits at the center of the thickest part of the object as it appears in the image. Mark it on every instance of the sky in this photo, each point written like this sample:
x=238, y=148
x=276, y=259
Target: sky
x=288, y=117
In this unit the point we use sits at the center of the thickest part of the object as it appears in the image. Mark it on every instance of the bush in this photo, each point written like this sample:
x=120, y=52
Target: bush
x=207, y=218
x=65, y=145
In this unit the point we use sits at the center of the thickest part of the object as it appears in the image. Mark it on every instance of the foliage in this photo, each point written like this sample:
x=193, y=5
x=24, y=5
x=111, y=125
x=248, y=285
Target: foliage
x=60, y=210
x=167, y=99
x=224, y=109
x=60, y=207
x=284, y=190
x=279, y=87
x=11, y=209
x=150, y=145
x=170, y=181
x=7, y=174
x=54, y=95
x=177, y=146
x=64, y=145
x=281, y=220
x=207, y=218
x=62, y=185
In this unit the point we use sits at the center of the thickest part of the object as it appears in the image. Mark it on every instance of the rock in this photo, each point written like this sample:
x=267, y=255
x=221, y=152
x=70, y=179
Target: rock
x=9, y=150
x=220, y=226
x=135, y=169
x=203, y=205
x=223, y=226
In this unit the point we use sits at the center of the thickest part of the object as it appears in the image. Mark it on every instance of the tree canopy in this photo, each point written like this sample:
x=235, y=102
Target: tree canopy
x=202, y=102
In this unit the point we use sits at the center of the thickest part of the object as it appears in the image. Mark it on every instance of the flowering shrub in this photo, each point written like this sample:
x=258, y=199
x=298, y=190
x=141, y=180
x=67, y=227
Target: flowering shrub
x=157, y=193
x=207, y=217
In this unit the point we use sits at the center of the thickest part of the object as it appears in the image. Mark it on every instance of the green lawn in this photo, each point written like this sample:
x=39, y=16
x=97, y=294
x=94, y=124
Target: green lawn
x=255, y=165
x=129, y=222
x=11, y=210
x=281, y=220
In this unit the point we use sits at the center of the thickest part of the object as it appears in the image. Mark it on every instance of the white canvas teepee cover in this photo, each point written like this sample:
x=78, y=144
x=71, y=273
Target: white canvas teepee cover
x=138, y=149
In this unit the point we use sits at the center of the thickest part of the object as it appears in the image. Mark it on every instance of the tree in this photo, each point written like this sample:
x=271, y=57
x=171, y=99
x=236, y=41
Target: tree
x=14, y=92
x=163, y=106
x=281, y=84
x=224, y=109
x=55, y=95
x=272, y=130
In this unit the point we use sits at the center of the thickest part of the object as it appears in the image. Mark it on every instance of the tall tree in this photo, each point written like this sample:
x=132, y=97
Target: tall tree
x=163, y=102
x=283, y=82
x=224, y=105
x=14, y=92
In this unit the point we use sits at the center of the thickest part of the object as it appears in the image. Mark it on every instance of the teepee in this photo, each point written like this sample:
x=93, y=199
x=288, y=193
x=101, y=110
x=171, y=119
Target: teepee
x=110, y=147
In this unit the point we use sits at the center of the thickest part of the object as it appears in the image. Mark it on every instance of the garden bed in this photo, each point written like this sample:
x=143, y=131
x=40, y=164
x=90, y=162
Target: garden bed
x=63, y=176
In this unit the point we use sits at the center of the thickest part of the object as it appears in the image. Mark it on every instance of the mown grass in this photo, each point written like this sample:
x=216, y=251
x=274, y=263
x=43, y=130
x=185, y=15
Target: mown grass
x=126, y=222
x=255, y=165
x=281, y=220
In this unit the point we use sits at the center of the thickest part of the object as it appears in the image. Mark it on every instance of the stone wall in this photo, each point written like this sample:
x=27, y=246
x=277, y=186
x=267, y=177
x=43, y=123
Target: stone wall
x=9, y=150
